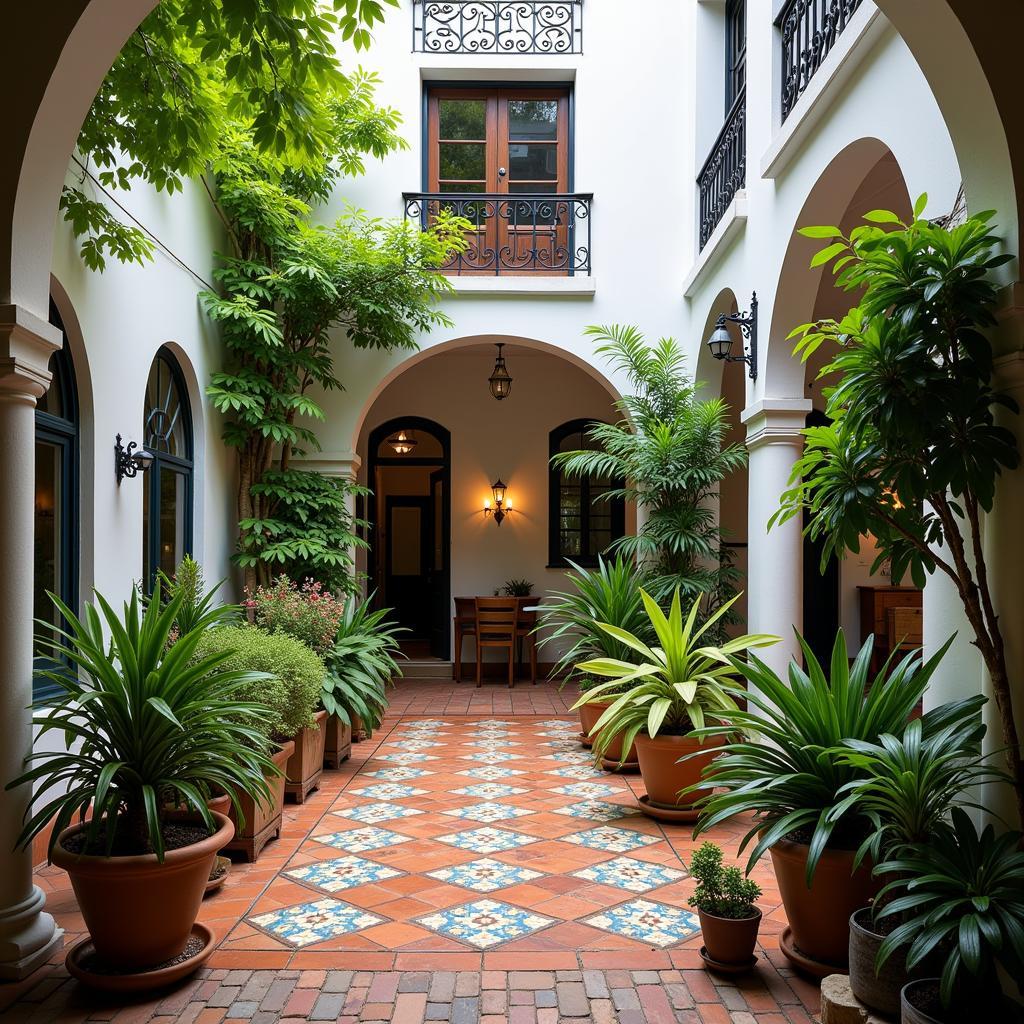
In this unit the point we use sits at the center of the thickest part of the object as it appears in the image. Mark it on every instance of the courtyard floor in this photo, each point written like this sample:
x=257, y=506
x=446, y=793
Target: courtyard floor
x=460, y=867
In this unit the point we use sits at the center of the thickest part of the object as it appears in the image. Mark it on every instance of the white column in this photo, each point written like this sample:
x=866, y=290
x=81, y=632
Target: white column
x=28, y=936
x=775, y=568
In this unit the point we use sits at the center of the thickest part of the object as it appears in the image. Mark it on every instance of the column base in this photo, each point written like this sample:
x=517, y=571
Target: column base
x=28, y=937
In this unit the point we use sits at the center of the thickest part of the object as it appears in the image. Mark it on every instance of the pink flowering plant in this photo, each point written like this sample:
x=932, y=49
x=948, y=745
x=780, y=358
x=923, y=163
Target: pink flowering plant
x=308, y=612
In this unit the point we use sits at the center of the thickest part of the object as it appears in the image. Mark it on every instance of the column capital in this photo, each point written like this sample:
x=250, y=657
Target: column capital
x=342, y=464
x=26, y=344
x=776, y=421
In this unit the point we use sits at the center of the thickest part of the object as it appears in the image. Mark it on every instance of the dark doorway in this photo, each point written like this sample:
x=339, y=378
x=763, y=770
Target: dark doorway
x=408, y=535
x=821, y=588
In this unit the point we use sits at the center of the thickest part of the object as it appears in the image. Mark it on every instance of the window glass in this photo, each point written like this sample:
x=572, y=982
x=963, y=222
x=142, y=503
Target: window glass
x=462, y=119
x=532, y=120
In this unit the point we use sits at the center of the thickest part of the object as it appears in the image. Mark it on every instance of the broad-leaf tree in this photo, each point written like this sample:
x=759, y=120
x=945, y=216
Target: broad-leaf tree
x=915, y=450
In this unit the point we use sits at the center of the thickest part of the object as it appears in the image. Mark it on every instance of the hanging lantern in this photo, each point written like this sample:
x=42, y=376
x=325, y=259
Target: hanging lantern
x=500, y=380
x=403, y=442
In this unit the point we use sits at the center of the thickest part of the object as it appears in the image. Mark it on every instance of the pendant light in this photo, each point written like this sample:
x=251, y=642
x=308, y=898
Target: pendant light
x=500, y=380
x=403, y=442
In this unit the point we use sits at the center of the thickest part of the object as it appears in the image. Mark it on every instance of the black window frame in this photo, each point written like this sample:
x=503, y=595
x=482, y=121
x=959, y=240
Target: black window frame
x=586, y=559
x=185, y=466
x=735, y=51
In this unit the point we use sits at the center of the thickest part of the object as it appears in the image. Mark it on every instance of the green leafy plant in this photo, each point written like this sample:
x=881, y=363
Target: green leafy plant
x=721, y=891
x=308, y=612
x=196, y=602
x=517, y=588
x=670, y=449
x=785, y=768
x=292, y=693
x=145, y=723
x=917, y=445
x=960, y=894
x=675, y=687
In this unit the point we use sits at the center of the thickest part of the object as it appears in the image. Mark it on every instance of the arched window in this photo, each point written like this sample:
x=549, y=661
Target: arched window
x=167, y=429
x=581, y=525
x=55, y=558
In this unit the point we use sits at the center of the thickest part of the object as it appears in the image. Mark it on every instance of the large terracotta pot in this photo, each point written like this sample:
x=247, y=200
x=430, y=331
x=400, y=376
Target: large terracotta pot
x=306, y=765
x=337, y=742
x=663, y=776
x=819, y=916
x=262, y=820
x=729, y=940
x=140, y=912
x=589, y=714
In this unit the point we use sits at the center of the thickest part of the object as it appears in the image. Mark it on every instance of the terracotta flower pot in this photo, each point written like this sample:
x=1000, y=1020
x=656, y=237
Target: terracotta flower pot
x=880, y=992
x=730, y=940
x=262, y=820
x=306, y=765
x=337, y=742
x=221, y=803
x=819, y=916
x=589, y=714
x=140, y=912
x=663, y=776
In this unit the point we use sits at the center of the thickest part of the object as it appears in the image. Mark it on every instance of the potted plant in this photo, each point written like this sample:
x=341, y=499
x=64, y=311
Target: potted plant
x=724, y=901
x=145, y=722
x=515, y=587
x=678, y=686
x=785, y=770
x=962, y=897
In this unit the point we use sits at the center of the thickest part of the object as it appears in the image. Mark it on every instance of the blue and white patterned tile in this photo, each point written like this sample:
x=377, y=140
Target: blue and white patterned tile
x=485, y=875
x=492, y=744
x=630, y=874
x=400, y=773
x=319, y=921
x=570, y=757
x=490, y=790
x=611, y=839
x=362, y=840
x=414, y=745
x=487, y=840
x=656, y=924
x=560, y=723
x=373, y=814
x=586, y=790
x=405, y=757
x=488, y=812
x=497, y=723
x=578, y=771
x=485, y=923
x=387, y=791
x=343, y=873
x=425, y=724
x=490, y=772
x=561, y=734
x=563, y=745
x=597, y=810
x=491, y=756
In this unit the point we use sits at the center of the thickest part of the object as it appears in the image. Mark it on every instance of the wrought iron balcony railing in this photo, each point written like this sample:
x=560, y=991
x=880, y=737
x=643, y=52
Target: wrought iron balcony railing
x=809, y=29
x=725, y=171
x=521, y=233
x=497, y=26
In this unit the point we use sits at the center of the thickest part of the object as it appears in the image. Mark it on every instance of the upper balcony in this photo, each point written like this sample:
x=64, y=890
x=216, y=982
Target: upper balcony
x=510, y=27
x=725, y=171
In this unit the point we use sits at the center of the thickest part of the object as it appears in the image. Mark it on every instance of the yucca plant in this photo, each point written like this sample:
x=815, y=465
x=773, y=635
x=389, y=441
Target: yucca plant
x=677, y=685
x=784, y=768
x=153, y=726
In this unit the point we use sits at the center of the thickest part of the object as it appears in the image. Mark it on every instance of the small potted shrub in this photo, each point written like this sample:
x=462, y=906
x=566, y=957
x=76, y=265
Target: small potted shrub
x=148, y=724
x=724, y=901
x=515, y=587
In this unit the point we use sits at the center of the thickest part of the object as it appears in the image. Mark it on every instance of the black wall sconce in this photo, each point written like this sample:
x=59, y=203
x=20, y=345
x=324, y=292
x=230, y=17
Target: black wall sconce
x=501, y=506
x=127, y=461
x=720, y=342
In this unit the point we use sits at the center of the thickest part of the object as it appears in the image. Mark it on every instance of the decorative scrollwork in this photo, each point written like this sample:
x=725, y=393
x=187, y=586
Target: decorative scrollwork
x=808, y=29
x=498, y=26
x=725, y=171
x=513, y=234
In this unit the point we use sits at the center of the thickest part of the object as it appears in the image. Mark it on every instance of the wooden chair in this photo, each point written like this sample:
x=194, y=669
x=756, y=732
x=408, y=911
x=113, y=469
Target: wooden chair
x=526, y=623
x=496, y=621
x=465, y=625
x=904, y=629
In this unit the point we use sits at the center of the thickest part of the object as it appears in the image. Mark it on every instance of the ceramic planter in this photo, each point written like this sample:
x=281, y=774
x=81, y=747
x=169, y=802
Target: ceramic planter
x=306, y=765
x=664, y=776
x=140, y=912
x=589, y=714
x=730, y=941
x=262, y=821
x=818, y=937
x=880, y=992
x=337, y=742
x=919, y=1004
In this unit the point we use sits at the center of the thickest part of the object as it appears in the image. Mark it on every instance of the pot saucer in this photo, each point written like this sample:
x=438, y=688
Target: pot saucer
x=609, y=764
x=215, y=883
x=800, y=960
x=585, y=740
x=660, y=812
x=720, y=968
x=139, y=981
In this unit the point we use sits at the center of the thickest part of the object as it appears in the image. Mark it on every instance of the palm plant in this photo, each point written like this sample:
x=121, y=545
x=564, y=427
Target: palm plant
x=670, y=450
x=785, y=768
x=677, y=686
x=154, y=726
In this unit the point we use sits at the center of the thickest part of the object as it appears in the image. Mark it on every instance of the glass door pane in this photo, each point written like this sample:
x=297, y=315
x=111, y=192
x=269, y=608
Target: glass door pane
x=48, y=569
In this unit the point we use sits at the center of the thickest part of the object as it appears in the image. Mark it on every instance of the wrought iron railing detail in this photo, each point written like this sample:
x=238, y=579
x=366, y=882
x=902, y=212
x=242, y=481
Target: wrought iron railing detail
x=522, y=233
x=725, y=171
x=809, y=29
x=497, y=26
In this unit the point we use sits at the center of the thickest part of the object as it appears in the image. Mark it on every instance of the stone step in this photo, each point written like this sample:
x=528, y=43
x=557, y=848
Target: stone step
x=426, y=668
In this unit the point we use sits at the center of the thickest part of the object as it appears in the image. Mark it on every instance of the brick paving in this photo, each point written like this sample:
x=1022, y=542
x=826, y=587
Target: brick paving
x=393, y=897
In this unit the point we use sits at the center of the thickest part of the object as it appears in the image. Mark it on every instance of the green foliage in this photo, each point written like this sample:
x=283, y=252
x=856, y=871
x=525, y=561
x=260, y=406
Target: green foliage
x=962, y=895
x=195, y=602
x=670, y=451
x=785, y=767
x=308, y=612
x=721, y=891
x=292, y=693
x=101, y=233
x=676, y=686
x=517, y=588
x=145, y=723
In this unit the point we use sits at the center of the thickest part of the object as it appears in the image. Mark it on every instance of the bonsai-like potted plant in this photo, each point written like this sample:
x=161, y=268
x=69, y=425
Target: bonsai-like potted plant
x=785, y=770
x=961, y=895
x=147, y=725
x=724, y=901
x=677, y=688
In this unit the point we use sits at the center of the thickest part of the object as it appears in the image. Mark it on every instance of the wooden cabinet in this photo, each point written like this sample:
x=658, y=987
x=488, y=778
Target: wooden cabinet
x=874, y=605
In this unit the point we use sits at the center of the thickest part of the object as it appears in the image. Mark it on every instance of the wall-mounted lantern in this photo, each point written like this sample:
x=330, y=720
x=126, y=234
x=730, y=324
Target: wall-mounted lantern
x=499, y=505
x=127, y=461
x=720, y=342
